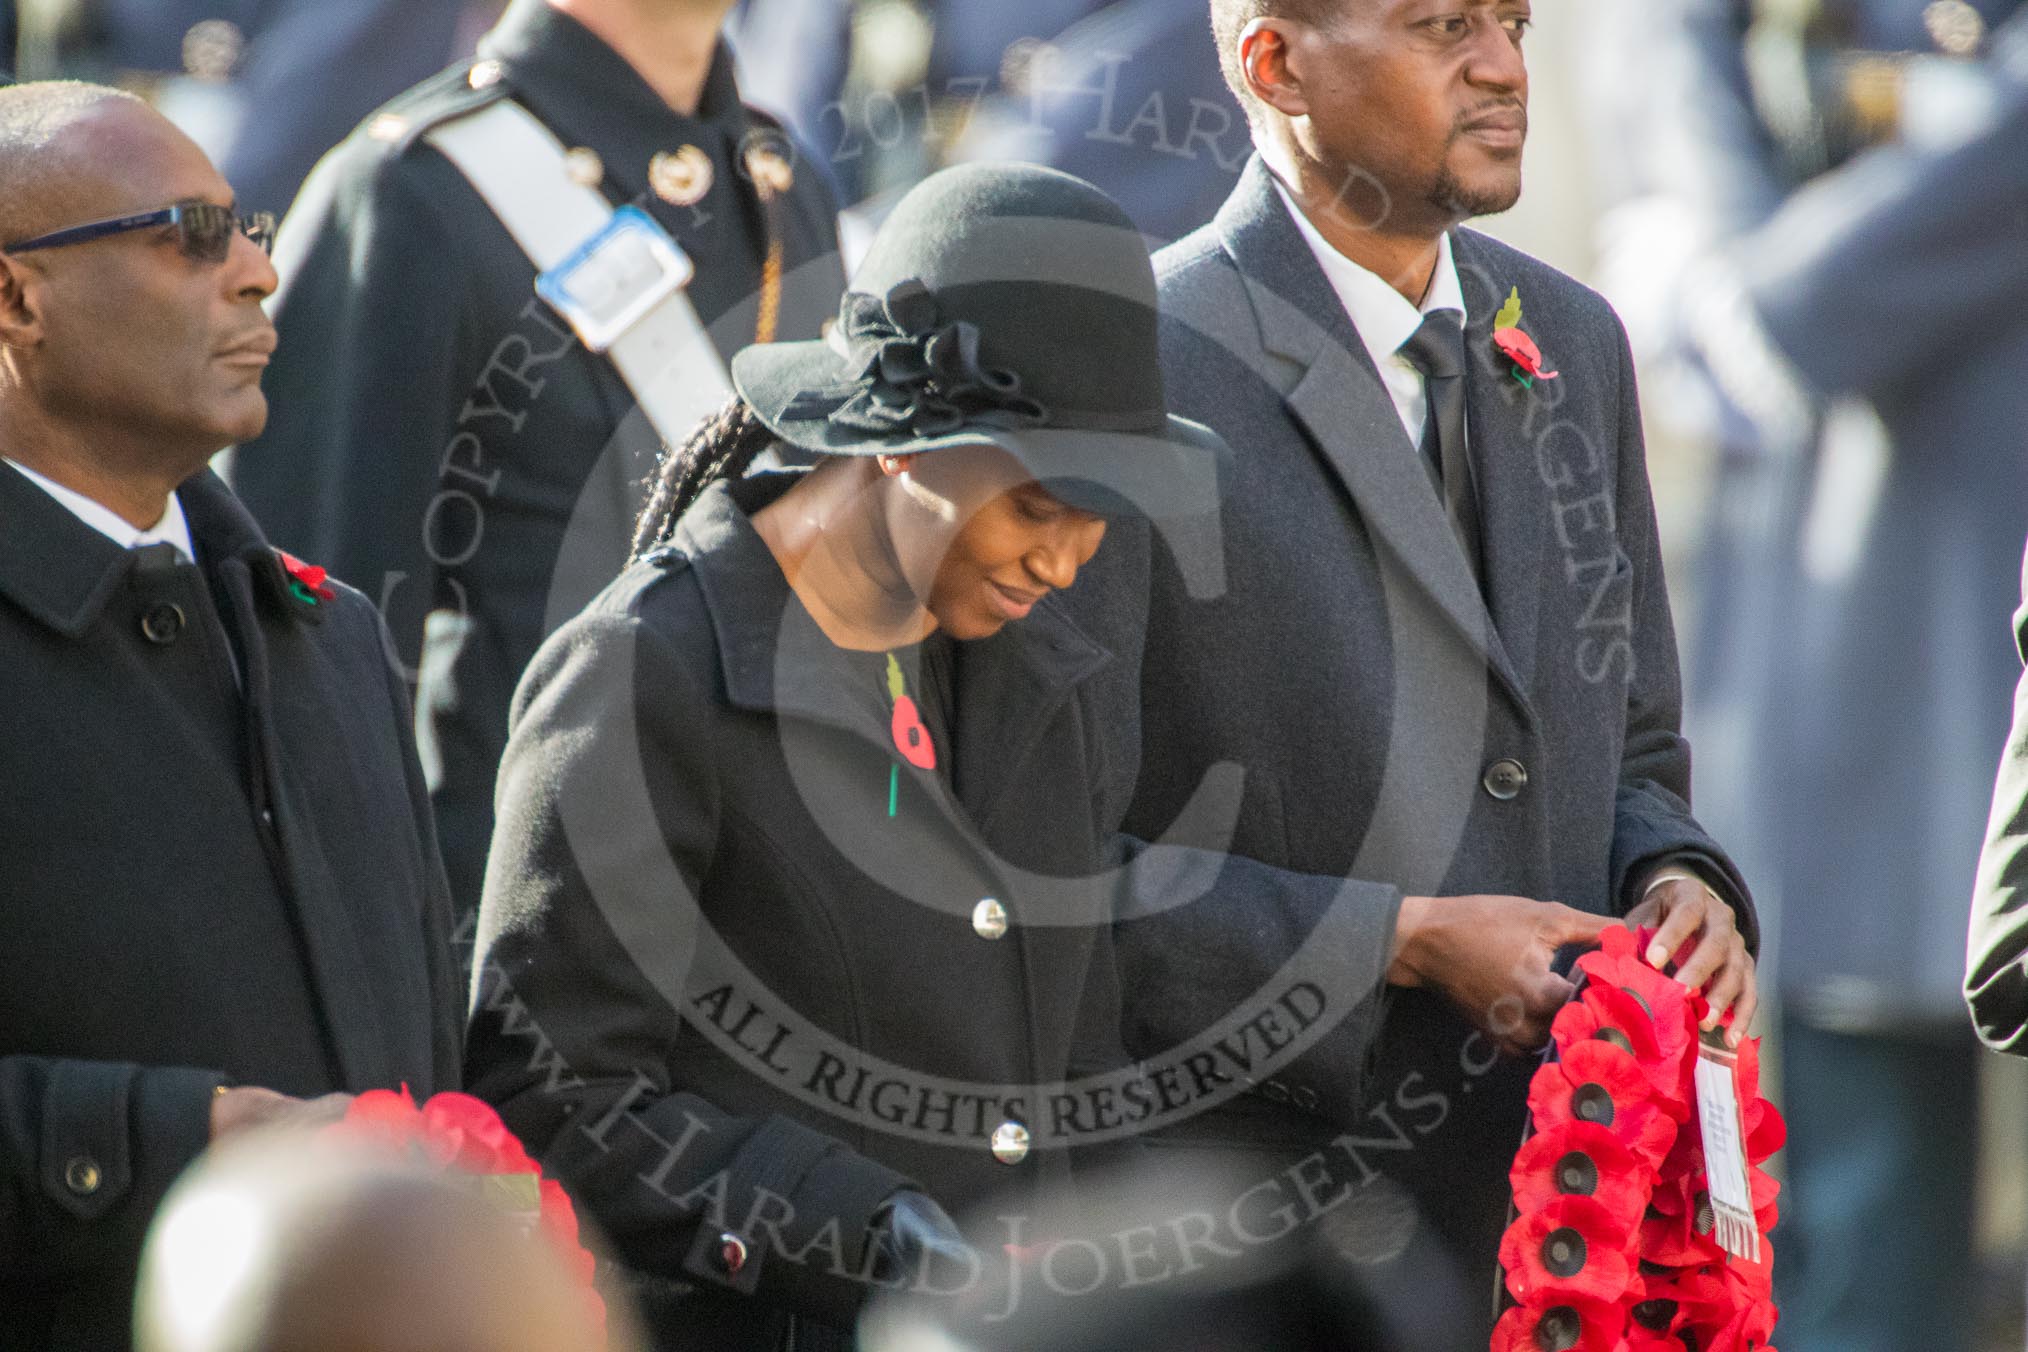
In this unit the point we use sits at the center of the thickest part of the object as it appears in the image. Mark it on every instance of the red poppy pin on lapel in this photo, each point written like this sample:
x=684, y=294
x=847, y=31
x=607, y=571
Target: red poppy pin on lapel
x=911, y=738
x=306, y=580
x=1516, y=346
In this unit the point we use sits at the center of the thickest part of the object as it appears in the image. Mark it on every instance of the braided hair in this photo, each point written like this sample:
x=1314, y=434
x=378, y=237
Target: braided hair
x=723, y=446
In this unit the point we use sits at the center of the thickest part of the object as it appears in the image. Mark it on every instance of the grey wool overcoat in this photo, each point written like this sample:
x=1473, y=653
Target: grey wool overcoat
x=1397, y=727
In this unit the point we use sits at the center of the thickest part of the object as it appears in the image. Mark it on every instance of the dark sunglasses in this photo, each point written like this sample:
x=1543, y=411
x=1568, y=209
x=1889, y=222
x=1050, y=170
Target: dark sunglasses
x=204, y=231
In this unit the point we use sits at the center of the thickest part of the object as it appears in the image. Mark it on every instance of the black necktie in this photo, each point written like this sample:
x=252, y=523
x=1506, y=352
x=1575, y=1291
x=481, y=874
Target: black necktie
x=1438, y=350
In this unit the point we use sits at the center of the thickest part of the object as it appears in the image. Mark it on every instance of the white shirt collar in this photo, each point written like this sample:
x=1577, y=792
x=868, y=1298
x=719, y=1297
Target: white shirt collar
x=1384, y=318
x=173, y=528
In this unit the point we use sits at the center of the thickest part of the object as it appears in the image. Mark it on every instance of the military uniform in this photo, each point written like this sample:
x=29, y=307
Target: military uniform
x=435, y=425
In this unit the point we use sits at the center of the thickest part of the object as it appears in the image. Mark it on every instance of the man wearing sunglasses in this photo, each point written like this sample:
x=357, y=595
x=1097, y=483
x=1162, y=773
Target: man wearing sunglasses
x=222, y=904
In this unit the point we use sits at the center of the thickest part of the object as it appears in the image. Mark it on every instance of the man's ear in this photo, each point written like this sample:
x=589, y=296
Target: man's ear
x=1264, y=48
x=20, y=304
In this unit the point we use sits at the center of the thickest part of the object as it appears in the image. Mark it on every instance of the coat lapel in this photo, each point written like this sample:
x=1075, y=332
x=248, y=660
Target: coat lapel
x=1338, y=399
x=1506, y=420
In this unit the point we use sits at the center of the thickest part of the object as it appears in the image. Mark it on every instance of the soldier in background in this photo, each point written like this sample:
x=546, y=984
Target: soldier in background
x=438, y=424
x=1841, y=183
x=265, y=86
x=1130, y=98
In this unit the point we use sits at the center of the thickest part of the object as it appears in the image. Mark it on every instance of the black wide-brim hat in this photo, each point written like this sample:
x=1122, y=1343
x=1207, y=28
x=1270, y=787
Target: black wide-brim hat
x=1008, y=305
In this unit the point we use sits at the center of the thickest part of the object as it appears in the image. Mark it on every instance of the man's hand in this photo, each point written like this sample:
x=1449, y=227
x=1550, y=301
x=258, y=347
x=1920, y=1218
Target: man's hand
x=1491, y=956
x=238, y=1110
x=1682, y=908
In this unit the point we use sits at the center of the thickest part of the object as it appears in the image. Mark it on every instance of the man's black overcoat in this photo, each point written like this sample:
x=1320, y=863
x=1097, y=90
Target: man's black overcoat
x=212, y=872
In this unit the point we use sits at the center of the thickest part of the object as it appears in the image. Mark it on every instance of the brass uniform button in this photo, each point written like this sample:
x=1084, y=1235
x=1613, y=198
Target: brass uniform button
x=681, y=179
x=82, y=1175
x=485, y=75
x=584, y=166
x=771, y=169
x=1955, y=27
x=989, y=919
x=212, y=50
x=1010, y=1143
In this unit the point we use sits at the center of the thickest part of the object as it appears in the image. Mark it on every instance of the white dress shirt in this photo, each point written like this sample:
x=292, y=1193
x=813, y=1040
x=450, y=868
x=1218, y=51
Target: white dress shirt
x=171, y=529
x=1383, y=318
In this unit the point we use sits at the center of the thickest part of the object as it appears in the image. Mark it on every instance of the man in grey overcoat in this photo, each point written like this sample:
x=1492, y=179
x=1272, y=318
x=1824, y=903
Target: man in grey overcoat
x=1442, y=652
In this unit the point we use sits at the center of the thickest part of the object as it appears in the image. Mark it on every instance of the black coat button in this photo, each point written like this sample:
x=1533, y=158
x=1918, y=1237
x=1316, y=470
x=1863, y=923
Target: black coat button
x=162, y=623
x=1505, y=779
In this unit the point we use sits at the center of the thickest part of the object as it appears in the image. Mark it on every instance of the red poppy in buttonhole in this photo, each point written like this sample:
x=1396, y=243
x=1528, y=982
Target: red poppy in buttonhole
x=1571, y=1249
x=1581, y=1159
x=1566, y=1326
x=309, y=575
x=911, y=738
x=1597, y=1082
x=1520, y=349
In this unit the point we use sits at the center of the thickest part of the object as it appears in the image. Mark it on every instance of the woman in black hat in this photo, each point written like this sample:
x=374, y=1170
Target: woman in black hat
x=795, y=924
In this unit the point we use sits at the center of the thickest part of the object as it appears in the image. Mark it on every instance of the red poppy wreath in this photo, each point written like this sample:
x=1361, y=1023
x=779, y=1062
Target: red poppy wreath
x=459, y=1132
x=1616, y=1246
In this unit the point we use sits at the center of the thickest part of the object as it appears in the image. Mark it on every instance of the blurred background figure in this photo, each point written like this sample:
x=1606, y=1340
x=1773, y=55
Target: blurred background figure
x=791, y=57
x=264, y=86
x=286, y=1244
x=1826, y=248
x=1128, y=96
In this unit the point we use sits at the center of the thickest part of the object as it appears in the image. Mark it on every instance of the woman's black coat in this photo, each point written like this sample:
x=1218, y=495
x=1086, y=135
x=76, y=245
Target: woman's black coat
x=749, y=1075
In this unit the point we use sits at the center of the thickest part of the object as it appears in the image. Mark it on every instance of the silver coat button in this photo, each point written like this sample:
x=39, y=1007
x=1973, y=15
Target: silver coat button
x=1010, y=1143
x=1505, y=779
x=989, y=919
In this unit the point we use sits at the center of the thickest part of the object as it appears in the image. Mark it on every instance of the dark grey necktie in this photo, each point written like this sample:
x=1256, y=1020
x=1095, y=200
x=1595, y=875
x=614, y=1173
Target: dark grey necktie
x=1437, y=349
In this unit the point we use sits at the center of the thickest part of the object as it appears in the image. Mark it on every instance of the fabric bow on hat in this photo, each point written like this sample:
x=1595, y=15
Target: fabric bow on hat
x=915, y=377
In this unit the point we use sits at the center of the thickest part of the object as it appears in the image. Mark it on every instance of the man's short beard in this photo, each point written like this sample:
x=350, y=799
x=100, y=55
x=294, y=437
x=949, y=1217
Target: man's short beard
x=1454, y=199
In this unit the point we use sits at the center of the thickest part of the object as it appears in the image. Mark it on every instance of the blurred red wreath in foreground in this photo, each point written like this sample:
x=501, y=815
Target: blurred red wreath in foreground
x=1616, y=1245
x=457, y=1131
